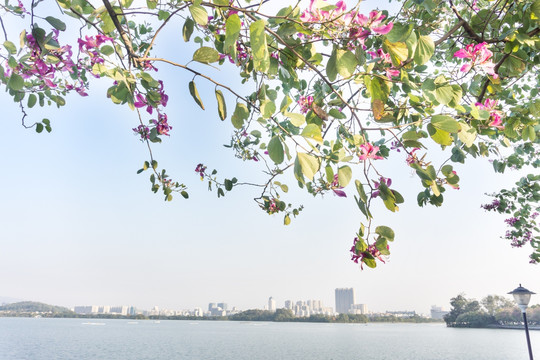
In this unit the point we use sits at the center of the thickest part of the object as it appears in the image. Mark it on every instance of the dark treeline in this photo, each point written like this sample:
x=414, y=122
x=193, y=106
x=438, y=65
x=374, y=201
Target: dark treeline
x=286, y=315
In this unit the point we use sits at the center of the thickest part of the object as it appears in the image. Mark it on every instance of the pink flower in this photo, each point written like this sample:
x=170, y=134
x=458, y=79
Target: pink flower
x=391, y=72
x=162, y=126
x=382, y=180
x=336, y=188
x=480, y=56
x=305, y=103
x=339, y=193
x=369, y=151
x=411, y=158
x=494, y=115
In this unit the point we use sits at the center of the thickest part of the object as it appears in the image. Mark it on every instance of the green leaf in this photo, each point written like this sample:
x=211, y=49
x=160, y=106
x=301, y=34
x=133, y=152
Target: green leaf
x=232, y=31
x=32, y=99
x=184, y=194
x=296, y=119
x=107, y=50
x=369, y=261
x=162, y=15
x=268, y=108
x=457, y=155
x=411, y=42
x=187, y=30
x=57, y=24
x=206, y=55
x=15, y=82
x=344, y=175
x=399, y=32
x=445, y=123
x=329, y=173
x=514, y=66
x=331, y=67
x=107, y=24
x=528, y=133
x=228, y=184
x=259, y=48
x=222, y=106
x=312, y=131
x=345, y=63
x=425, y=49
x=535, y=8
x=379, y=89
x=221, y=2
x=287, y=220
x=39, y=127
x=309, y=164
x=151, y=4
x=439, y=136
x=360, y=189
x=275, y=150
x=10, y=47
x=336, y=114
x=398, y=51
x=195, y=94
x=444, y=94
x=199, y=14
x=241, y=113
x=467, y=134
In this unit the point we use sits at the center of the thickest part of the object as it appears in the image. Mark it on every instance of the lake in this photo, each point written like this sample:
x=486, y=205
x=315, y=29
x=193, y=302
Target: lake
x=81, y=339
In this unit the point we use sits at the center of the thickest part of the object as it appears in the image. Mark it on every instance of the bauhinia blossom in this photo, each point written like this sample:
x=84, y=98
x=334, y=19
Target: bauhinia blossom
x=480, y=56
x=336, y=187
x=368, y=151
x=385, y=58
x=305, y=103
x=495, y=116
x=351, y=25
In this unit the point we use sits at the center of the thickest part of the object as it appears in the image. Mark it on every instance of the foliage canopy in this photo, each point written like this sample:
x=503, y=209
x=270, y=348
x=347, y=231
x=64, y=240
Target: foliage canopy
x=337, y=89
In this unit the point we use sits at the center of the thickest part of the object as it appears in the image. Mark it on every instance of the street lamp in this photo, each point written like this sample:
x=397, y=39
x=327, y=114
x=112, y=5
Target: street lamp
x=522, y=297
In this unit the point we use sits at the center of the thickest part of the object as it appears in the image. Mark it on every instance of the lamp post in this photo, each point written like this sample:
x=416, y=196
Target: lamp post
x=522, y=297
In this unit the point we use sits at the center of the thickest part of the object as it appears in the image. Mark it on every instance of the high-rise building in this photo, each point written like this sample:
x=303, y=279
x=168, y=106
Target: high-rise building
x=344, y=300
x=271, y=304
x=437, y=312
x=289, y=304
x=359, y=309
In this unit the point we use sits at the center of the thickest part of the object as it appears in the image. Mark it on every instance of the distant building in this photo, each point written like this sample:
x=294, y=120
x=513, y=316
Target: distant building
x=198, y=312
x=359, y=309
x=289, y=304
x=405, y=313
x=215, y=309
x=121, y=310
x=437, y=312
x=271, y=304
x=344, y=300
x=84, y=310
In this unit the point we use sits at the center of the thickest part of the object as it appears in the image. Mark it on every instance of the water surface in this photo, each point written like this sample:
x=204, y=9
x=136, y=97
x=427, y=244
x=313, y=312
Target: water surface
x=81, y=339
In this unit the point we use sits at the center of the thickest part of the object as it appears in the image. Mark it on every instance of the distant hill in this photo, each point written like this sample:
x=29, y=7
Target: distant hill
x=31, y=307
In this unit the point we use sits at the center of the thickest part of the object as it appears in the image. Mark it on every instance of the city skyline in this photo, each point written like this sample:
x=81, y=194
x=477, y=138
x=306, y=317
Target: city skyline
x=347, y=301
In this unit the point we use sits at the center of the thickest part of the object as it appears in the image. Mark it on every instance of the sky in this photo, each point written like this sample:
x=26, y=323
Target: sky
x=78, y=226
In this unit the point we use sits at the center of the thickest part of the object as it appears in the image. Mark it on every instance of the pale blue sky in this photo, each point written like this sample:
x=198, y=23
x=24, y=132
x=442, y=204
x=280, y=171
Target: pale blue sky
x=78, y=226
